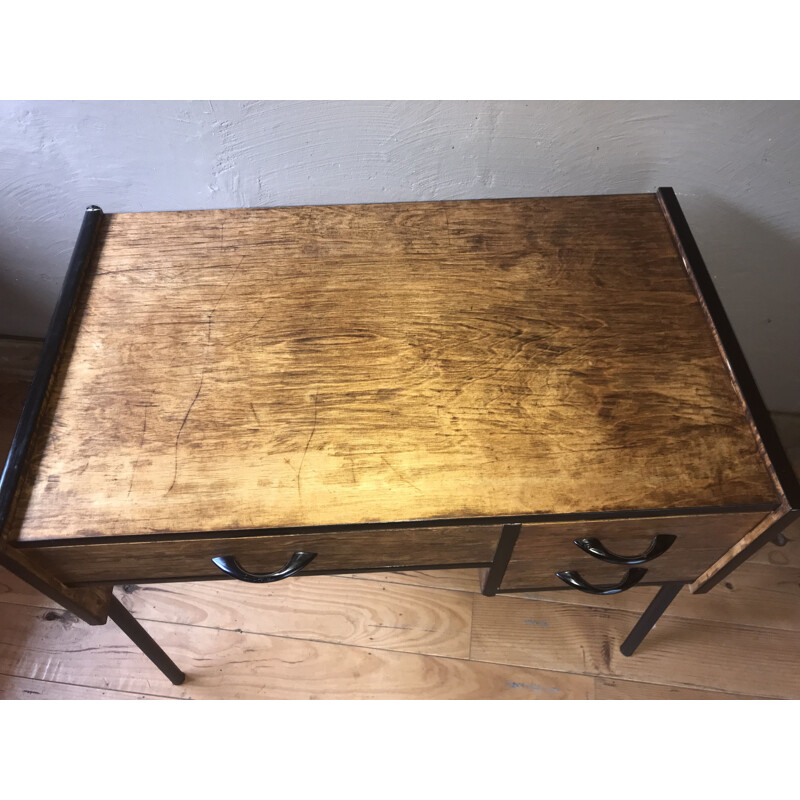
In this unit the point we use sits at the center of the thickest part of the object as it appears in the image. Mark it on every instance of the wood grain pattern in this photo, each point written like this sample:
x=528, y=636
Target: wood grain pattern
x=224, y=664
x=696, y=654
x=191, y=558
x=787, y=555
x=12, y=687
x=755, y=594
x=742, y=380
x=354, y=364
x=460, y=580
x=56, y=648
x=186, y=604
x=15, y=590
x=606, y=689
x=749, y=544
x=764, y=594
x=90, y=604
x=546, y=548
x=329, y=609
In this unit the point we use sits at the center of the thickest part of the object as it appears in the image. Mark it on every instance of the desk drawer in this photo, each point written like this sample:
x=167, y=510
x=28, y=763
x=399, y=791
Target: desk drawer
x=544, y=549
x=187, y=559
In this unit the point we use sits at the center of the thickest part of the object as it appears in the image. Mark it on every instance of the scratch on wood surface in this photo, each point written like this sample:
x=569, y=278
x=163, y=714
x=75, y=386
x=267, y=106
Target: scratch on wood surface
x=249, y=332
x=447, y=226
x=310, y=437
x=605, y=652
x=399, y=475
x=157, y=267
x=450, y=356
x=141, y=442
x=253, y=409
x=209, y=323
x=180, y=431
x=225, y=290
x=404, y=628
x=77, y=470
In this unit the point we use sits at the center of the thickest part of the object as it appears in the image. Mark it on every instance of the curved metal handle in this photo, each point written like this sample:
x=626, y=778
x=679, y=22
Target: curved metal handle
x=297, y=562
x=574, y=579
x=660, y=544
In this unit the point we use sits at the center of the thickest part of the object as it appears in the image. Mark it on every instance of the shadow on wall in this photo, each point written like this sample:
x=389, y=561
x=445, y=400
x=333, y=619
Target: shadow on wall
x=756, y=270
x=23, y=312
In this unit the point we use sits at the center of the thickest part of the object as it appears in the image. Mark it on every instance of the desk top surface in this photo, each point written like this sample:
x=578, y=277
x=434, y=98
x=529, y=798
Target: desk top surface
x=353, y=364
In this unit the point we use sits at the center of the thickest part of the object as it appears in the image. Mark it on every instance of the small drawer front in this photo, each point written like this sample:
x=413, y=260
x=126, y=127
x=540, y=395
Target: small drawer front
x=336, y=552
x=544, y=549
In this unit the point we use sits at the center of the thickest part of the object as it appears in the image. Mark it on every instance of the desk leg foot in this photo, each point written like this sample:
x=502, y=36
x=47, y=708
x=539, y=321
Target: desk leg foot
x=659, y=604
x=142, y=639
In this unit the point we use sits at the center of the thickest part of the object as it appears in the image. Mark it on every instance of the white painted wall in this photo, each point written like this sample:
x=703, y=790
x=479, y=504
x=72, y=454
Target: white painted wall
x=735, y=167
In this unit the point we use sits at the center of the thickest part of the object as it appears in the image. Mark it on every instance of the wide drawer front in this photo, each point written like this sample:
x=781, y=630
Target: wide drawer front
x=386, y=548
x=544, y=549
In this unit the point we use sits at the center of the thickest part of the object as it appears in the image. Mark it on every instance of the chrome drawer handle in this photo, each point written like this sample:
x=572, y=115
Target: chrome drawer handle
x=574, y=579
x=660, y=544
x=297, y=562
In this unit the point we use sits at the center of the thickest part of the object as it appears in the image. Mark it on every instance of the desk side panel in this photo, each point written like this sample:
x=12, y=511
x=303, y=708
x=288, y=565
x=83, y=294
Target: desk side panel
x=770, y=448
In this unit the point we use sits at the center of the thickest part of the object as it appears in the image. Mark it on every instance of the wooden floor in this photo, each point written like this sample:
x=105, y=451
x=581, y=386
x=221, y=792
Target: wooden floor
x=408, y=635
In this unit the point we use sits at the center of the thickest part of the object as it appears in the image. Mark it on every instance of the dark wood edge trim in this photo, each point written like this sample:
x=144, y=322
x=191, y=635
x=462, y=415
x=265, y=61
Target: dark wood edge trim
x=733, y=356
x=48, y=360
x=746, y=552
x=304, y=573
x=446, y=522
x=505, y=547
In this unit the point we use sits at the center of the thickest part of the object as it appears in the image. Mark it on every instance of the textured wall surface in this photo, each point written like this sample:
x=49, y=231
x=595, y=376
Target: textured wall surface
x=735, y=167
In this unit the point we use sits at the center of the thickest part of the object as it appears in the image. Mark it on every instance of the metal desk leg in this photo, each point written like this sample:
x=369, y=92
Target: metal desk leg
x=142, y=639
x=660, y=603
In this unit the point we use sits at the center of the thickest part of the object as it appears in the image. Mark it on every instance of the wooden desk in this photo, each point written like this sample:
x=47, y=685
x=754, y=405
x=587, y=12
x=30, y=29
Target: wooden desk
x=546, y=388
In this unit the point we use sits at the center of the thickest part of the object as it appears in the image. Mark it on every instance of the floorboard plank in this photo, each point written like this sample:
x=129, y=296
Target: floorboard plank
x=15, y=688
x=324, y=608
x=608, y=689
x=755, y=594
x=222, y=664
x=460, y=580
x=16, y=591
x=692, y=653
x=786, y=556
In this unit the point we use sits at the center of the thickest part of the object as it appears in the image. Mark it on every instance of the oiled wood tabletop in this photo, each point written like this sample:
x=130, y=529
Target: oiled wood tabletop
x=353, y=364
